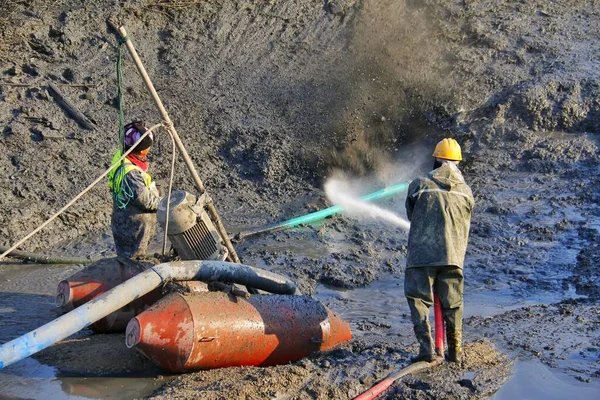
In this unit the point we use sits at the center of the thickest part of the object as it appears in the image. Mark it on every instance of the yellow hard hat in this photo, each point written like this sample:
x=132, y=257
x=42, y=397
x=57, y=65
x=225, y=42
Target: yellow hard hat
x=448, y=149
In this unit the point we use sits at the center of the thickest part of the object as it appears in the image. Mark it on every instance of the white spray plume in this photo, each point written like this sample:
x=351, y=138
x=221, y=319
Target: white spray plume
x=340, y=193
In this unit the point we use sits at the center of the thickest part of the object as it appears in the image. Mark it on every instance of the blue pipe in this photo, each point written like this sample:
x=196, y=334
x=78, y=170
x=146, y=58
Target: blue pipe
x=121, y=295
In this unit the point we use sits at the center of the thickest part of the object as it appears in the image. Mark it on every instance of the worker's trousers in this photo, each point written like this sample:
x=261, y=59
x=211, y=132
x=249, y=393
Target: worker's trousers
x=448, y=283
x=132, y=230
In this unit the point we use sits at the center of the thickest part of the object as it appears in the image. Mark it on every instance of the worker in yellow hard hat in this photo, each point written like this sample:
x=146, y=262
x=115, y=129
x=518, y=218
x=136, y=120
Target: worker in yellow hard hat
x=439, y=207
x=135, y=196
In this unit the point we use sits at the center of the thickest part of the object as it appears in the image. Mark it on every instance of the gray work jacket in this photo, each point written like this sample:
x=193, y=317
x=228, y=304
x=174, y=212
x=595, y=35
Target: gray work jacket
x=439, y=207
x=134, y=226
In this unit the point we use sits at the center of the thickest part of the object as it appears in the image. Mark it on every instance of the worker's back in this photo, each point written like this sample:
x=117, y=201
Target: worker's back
x=439, y=207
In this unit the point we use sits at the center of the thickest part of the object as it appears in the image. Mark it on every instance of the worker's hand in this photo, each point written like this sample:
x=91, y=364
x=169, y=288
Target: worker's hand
x=154, y=189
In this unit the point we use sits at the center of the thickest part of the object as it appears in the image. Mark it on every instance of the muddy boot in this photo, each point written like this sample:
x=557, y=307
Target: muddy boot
x=455, y=353
x=426, y=352
x=455, y=347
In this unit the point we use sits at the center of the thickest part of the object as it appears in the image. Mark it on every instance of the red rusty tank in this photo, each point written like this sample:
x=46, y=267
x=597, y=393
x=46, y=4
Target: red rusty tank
x=213, y=330
x=96, y=279
x=102, y=276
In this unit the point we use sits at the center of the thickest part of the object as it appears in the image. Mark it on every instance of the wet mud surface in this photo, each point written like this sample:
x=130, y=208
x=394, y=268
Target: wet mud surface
x=271, y=99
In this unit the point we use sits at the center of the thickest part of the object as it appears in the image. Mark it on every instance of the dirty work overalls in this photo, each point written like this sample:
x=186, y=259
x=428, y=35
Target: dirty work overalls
x=133, y=219
x=439, y=206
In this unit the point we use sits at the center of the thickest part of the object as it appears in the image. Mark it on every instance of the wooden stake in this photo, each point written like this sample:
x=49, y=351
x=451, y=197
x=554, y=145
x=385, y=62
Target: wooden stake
x=186, y=158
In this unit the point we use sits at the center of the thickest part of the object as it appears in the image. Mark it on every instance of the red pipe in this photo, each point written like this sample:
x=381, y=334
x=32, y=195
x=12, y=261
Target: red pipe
x=376, y=390
x=387, y=382
x=379, y=388
x=439, y=325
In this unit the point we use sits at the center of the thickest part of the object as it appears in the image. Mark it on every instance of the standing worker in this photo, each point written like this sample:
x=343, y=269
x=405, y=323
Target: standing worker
x=439, y=207
x=135, y=196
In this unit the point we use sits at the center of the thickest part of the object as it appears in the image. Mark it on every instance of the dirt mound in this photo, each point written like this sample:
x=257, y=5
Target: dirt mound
x=556, y=105
x=478, y=377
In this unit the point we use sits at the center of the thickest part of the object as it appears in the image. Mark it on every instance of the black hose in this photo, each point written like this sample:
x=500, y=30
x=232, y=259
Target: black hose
x=45, y=259
x=207, y=271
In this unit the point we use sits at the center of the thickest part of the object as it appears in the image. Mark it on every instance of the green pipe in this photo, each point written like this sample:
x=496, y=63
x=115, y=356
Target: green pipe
x=44, y=259
x=321, y=214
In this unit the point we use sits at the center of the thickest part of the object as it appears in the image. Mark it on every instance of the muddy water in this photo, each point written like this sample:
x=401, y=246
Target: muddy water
x=533, y=380
x=32, y=380
x=27, y=301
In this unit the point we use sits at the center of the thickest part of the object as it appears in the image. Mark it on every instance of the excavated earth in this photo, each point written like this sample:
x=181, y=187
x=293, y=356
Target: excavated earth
x=273, y=98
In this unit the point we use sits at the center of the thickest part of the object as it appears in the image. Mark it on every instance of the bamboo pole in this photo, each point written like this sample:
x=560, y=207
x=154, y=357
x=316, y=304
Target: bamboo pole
x=186, y=158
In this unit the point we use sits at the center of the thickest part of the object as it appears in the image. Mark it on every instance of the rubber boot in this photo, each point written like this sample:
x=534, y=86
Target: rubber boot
x=426, y=348
x=454, y=346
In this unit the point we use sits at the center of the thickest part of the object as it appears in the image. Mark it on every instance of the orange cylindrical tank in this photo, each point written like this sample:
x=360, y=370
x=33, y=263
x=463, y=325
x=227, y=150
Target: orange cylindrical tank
x=96, y=279
x=213, y=330
x=102, y=276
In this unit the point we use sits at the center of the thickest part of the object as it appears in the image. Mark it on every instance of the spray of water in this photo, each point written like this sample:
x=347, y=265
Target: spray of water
x=341, y=193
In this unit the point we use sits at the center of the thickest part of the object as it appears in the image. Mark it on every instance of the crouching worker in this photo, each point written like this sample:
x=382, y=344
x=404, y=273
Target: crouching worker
x=135, y=196
x=439, y=207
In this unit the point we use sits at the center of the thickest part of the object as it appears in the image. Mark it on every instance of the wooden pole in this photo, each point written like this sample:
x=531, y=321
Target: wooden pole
x=186, y=158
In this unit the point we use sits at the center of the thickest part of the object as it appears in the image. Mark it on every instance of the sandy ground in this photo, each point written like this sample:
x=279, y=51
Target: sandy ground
x=271, y=99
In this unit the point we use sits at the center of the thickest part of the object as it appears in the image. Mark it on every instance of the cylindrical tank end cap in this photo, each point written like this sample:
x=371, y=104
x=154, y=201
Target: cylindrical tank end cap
x=132, y=333
x=63, y=294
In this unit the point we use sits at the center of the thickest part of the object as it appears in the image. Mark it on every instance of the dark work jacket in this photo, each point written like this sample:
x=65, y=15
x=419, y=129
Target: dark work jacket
x=135, y=225
x=439, y=207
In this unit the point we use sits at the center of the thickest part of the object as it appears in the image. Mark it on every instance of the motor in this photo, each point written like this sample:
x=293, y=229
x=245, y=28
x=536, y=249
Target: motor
x=189, y=227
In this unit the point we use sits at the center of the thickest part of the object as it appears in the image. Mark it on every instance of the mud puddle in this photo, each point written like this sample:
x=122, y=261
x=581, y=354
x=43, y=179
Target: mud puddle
x=488, y=303
x=380, y=306
x=375, y=311
x=386, y=296
x=379, y=309
x=31, y=379
x=531, y=379
x=26, y=303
